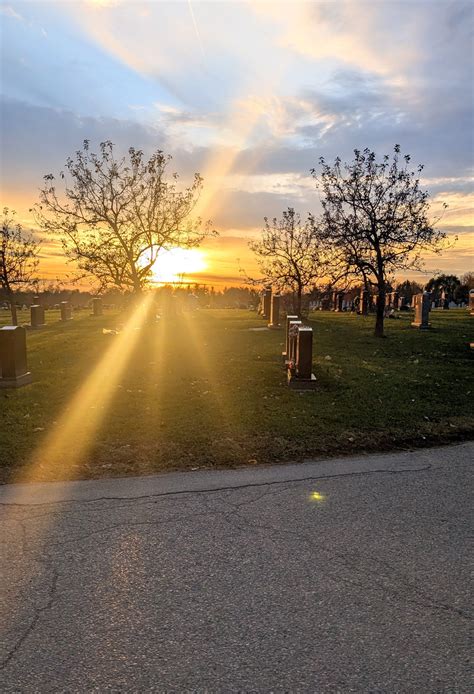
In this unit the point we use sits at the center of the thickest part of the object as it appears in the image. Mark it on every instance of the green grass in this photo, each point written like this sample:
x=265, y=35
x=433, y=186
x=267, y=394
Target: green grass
x=205, y=391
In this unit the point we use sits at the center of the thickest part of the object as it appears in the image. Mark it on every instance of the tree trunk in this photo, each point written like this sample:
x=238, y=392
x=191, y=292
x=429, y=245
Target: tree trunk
x=380, y=312
x=298, y=302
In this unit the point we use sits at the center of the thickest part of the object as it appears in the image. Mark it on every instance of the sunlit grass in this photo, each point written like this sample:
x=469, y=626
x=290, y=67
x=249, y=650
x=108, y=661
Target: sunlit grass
x=202, y=391
x=71, y=436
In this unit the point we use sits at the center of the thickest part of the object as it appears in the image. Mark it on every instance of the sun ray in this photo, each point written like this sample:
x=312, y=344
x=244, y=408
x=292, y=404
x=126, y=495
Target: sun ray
x=198, y=339
x=75, y=430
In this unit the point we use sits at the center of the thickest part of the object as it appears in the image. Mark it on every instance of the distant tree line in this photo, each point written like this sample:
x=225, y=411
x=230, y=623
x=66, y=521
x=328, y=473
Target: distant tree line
x=208, y=297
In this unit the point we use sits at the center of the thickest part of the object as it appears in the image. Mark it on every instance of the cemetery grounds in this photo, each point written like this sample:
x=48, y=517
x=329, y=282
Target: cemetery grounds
x=204, y=390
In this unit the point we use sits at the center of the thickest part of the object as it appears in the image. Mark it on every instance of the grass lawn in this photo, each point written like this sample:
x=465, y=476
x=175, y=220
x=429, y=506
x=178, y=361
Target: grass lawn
x=205, y=391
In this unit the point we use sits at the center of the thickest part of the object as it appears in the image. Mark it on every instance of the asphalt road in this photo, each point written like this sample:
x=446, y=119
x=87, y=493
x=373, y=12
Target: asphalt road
x=347, y=575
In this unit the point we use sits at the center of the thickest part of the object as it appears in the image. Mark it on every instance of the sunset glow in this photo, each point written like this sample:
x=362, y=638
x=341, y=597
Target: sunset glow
x=314, y=79
x=177, y=265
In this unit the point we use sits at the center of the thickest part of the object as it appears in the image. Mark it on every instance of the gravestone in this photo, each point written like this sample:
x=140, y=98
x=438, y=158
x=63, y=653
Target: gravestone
x=422, y=311
x=364, y=302
x=13, y=367
x=300, y=373
x=395, y=300
x=97, y=306
x=338, y=299
x=325, y=304
x=444, y=301
x=471, y=302
x=37, y=316
x=293, y=326
x=267, y=302
x=289, y=319
x=275, y=312
x=36, y=301
x=192, y=302
x=66, y=310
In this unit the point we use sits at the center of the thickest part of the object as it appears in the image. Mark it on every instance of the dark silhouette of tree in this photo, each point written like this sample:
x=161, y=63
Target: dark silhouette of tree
x=408, y=289
x=468, y=280
x=290, y=254
x=376, y=218
x=467, y=283
x=18, y=259
x=449, y=284
x=114, y=216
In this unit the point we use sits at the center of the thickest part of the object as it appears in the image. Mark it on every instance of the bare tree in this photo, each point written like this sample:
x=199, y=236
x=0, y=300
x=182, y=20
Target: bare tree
x=376, y=218
x=468, y=280
x=289, y=254
x=114, y=216
x=18, y=258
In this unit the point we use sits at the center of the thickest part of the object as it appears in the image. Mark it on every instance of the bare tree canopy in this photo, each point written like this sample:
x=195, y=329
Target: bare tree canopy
x=376, y=218
x=18, y=258
x=289, y=253
x=114, y=216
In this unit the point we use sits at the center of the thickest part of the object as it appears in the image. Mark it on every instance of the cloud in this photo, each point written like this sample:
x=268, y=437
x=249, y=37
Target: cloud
x=37, y=140
x=371, y=36
x=8, y=11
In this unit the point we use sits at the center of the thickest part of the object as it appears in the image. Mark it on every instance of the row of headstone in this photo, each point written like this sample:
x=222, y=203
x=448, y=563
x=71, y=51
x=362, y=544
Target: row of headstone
x=392, y=300
x=13, y=354
x=37, y=313
x=270, y=306
x=367, y=302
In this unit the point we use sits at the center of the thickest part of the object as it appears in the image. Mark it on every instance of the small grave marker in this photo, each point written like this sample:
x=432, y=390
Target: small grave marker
x=37, y=319
x=267, y=302
x=13, y=367
x=338, y=300
x=300, y=375
x=292, y=338
x=97, y=306
x=66, y=310
x=275, y=312
x=422, y=311
x=289, y=319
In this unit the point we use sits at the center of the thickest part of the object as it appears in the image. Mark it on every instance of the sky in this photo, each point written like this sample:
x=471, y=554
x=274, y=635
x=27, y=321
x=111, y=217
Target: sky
x=249, y=94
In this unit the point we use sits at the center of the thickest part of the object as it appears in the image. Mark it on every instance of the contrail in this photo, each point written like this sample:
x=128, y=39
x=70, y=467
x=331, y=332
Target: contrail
x=196, y=28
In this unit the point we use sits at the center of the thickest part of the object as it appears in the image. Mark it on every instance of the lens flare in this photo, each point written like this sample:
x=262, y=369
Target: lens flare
x=317, y=496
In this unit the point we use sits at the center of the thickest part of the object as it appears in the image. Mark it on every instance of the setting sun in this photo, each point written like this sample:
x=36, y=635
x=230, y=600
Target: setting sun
x=177, y=263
